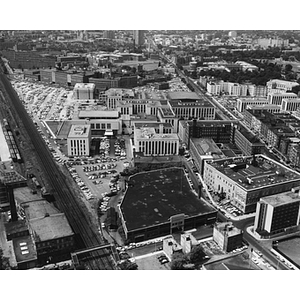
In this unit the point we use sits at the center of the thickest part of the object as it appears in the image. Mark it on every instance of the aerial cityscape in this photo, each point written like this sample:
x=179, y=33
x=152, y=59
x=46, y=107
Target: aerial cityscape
x=149, y=150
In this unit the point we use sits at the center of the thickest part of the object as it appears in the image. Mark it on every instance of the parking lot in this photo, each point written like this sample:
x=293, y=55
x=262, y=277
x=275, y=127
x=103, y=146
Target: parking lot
x=152, y=262
x=45, y=102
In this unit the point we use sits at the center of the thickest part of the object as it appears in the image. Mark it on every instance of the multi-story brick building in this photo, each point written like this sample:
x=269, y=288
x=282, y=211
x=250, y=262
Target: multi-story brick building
x=244, y=180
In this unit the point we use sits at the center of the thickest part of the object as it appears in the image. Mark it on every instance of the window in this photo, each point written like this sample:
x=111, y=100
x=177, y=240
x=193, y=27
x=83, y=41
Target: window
x=97, y=126
x=103, y=126
x=108, y=126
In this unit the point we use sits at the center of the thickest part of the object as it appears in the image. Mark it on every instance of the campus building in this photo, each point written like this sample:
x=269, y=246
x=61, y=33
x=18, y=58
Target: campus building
x=149, y=142
x=159, y=203
x=102, y=122
x=246, y=141
x=244, y=180
x=221, y=131
x=84, y=91
x=79, y=139
x=280, y=86
x=278, y=214
x=202, y=150
x=290, y=104
x=242, y=103
x=277, y=98
x=227, y=236
x=188, y=105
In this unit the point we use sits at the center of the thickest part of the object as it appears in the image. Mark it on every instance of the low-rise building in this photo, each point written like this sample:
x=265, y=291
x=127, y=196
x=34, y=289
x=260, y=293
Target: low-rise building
x=84, y=91
x=227, y=236
x=150, y=143
x=79, y=139
x=246, y=141
x=202, y=150
x=170, y=246
x=52, y=235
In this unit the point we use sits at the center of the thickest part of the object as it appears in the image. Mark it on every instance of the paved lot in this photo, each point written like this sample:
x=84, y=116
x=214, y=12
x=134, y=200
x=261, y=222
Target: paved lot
x=151, y=262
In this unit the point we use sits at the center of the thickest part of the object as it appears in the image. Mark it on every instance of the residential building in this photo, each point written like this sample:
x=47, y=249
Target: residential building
x=278, y=214
x=213, y=88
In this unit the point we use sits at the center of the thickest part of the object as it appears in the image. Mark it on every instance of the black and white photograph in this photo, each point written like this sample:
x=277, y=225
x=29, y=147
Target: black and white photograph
x=166, y=149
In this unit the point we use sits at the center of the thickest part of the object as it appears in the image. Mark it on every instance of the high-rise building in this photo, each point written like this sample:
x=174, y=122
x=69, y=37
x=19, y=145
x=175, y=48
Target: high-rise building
x=278, y=213
x=109, y=34
x=138, y=37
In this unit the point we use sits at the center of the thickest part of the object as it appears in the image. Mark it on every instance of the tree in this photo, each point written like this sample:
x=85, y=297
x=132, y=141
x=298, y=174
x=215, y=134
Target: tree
x=178, y=261
x=197, y=254
x=4, y=261
x=128, y=265
x=288, y=68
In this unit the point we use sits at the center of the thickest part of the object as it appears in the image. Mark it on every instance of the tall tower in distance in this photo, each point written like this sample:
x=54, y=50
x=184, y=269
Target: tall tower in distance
x=138, y=37
x=109, y=34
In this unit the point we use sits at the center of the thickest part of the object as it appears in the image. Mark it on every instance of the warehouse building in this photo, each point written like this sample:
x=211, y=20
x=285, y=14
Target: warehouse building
x=159, y=203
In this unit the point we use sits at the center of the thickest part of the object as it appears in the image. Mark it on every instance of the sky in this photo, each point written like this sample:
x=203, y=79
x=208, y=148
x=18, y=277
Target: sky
x=155, y=14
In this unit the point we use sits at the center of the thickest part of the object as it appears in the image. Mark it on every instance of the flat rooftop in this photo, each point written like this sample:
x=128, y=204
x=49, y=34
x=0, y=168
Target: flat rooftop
x=251, y=175
x=206, y=146
x=153, y=125
x=282, y=198
x=183, y=96
x=153, y=197
x=190, y=102
x=229, y=228
x=15, y=227
x=24, y=249
x=149, y=133
x=50, y=227
x=89, y=86
x=11, y=177
x=79, y=131
x=98, y=114
x=166, y=112
x=38, y=209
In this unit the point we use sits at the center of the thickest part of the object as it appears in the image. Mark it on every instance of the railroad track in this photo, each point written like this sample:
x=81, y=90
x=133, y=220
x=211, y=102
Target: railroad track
x=65, y=197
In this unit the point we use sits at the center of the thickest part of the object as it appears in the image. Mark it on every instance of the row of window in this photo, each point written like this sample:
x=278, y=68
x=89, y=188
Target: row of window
x=102, y=126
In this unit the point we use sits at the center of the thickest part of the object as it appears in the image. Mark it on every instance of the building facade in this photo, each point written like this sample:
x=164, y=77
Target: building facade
x=278, y=214
x=79, y=139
